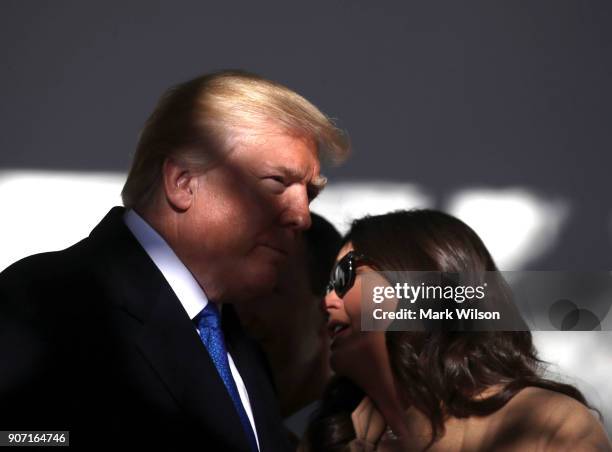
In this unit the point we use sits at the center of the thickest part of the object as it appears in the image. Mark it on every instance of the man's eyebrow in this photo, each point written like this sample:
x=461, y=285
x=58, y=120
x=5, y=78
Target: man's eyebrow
x=319, y=182
x=316, y=186
x=292, y=173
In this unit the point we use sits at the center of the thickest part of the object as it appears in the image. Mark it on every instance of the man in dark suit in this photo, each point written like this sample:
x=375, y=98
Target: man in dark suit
x=130, y=337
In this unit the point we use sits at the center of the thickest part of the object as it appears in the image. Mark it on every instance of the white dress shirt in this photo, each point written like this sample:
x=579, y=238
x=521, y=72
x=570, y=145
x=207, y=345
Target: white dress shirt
x=184, y=285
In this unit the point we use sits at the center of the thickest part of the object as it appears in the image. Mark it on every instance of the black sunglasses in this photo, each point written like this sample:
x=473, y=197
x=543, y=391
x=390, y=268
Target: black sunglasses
x=343, y=273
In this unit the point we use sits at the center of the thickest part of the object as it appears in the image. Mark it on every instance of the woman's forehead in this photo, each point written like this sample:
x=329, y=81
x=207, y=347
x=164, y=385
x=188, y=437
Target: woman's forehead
x=345, y=249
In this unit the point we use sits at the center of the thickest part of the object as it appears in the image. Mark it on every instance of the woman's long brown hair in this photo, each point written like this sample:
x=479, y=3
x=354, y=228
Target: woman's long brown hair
x=438, y=372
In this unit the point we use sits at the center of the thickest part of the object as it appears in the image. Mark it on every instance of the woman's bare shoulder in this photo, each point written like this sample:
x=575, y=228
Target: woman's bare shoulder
x=551, y=404
x=562, y=422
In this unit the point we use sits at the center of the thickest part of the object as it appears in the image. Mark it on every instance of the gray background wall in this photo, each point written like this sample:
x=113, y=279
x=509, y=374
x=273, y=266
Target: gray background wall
x=444, y=95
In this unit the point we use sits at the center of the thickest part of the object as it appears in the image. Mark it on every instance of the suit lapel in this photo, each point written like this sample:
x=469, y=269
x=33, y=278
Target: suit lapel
x=172, y=346
x=248, y=359
x=167, y=338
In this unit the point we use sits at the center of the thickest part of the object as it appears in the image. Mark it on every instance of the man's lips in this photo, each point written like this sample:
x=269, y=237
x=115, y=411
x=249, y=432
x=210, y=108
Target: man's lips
x=275, y=248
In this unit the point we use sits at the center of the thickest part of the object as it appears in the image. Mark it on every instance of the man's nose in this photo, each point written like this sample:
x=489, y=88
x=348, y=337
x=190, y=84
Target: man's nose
x=296, y=213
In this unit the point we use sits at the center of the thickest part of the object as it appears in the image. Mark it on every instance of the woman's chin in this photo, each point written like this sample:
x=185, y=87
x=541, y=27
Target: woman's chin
x=359, y=356
x=342, y=364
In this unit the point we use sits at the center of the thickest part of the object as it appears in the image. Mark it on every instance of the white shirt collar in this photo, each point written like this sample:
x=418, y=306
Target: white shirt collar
x=182, y=282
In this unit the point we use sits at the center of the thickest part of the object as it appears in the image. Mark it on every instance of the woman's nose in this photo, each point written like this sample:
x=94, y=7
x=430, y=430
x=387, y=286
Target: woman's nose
x=332, y=301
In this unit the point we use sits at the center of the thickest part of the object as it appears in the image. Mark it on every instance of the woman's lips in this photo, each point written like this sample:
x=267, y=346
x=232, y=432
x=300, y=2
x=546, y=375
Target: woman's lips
x=337, y=330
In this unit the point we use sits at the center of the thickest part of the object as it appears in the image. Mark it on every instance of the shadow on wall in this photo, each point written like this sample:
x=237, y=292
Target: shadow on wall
x=45, y=211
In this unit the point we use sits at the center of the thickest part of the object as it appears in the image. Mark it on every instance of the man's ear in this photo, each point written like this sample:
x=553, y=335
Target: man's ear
x=180, y=184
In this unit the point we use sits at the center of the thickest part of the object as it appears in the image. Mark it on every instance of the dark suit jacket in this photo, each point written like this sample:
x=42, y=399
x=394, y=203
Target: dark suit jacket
x=93, y=340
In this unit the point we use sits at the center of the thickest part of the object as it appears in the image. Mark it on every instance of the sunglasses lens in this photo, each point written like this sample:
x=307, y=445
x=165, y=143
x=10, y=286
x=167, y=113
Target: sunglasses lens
x=341, y=276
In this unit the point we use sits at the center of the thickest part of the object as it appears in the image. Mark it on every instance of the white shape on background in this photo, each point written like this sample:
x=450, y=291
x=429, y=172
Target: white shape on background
x=48, y=211
x=516, y=225
x=341, y=203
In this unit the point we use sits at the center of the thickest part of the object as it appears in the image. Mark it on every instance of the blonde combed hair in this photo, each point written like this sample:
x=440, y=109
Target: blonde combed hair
x=199, y=120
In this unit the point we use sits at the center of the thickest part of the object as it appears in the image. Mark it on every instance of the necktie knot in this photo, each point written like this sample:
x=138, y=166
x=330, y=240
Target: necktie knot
x=209, y=317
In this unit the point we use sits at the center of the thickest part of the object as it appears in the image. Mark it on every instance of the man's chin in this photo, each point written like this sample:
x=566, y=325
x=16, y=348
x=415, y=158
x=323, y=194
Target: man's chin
x=258, y=282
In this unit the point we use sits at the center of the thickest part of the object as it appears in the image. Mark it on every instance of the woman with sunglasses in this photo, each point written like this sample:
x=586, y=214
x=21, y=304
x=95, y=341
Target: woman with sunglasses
x=435, y=390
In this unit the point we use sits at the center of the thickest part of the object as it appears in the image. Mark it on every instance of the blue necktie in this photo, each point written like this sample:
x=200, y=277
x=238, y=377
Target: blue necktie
x=209, y=329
